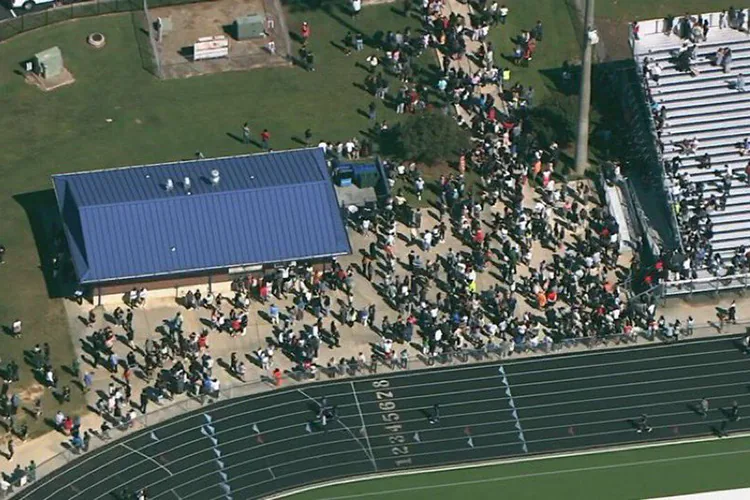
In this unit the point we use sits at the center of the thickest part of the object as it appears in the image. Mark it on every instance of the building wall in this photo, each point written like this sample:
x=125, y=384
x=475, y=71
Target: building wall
x=175, y=287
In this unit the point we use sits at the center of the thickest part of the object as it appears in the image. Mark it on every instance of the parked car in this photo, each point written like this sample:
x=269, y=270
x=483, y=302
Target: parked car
x=28, y=4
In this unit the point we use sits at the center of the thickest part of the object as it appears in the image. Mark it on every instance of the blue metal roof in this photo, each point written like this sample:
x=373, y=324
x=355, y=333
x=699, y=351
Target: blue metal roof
x=271, y=207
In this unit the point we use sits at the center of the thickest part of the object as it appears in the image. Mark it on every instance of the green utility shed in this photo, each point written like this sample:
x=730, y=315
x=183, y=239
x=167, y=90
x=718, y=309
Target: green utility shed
x=250, y=26
x=48, y=63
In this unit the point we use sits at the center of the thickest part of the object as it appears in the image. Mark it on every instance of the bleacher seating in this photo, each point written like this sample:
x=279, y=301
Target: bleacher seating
x=708, y=107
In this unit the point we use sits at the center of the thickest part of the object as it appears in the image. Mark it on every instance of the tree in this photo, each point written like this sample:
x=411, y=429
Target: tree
x=430, y=137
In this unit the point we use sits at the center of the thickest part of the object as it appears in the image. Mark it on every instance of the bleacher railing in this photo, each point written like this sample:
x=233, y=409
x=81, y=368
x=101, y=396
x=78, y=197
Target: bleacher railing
x=709, y=284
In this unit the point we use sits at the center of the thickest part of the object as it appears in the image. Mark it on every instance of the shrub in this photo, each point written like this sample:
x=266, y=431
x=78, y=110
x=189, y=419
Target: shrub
x=430, y=137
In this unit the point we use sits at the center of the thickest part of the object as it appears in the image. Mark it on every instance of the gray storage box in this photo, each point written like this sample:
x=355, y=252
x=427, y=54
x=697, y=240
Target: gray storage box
x=250, y=26
x=48, y=63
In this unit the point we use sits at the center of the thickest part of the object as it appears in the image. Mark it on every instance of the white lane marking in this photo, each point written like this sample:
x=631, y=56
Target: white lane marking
x=152, y=459
x=338, y=420
x=364, y=427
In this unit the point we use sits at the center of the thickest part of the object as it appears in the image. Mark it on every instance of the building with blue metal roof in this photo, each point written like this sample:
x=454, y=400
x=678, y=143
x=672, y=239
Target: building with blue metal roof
x=198, y=217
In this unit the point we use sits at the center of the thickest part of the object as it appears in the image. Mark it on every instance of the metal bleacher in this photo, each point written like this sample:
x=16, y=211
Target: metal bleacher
x=708, y=107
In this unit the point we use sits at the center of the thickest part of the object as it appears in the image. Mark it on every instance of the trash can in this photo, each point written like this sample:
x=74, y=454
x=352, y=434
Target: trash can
x=344, y=175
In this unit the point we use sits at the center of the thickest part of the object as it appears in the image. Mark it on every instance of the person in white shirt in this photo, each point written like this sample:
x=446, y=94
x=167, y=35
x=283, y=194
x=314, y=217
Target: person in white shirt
x=503, y=14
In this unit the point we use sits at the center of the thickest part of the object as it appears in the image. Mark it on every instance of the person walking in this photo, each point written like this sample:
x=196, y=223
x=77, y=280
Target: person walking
x=11, y=449
x=703, y=407
x=144, y=401
x=308, y=137
x=733, y=415
x=732, y=313
x=434, y=417
x=642, y=425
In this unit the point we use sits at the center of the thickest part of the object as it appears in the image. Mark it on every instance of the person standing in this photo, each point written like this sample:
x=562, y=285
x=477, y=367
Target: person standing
x=308, y=137
x=310, y=60
x=88, y=380
x=17, y=329
x=305, y=32
x=372, y=113
x=356, y=8
x=31, y=471
x=11, y=449
x=246, y=133
x=503, y=14
x=265, y=139
x=2, y=254
x=86, y=440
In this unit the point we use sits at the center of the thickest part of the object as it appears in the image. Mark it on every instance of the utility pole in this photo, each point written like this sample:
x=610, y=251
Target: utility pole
x=584, y=105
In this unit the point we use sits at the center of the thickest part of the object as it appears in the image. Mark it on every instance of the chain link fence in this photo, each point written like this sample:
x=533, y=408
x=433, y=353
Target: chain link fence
x=57, y=14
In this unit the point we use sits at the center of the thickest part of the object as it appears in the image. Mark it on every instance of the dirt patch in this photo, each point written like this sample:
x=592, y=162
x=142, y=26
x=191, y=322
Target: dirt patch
x=32, y=392
x=193, y=21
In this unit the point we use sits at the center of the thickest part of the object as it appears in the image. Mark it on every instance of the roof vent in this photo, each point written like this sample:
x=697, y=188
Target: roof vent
x=215, y=178
x=169, y=185
x=186, y=184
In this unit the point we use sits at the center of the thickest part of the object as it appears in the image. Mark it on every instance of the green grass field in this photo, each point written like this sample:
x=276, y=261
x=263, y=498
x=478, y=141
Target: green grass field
x=645, y=473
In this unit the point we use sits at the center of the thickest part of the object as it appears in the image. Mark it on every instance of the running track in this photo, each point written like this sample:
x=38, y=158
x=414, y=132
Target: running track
x=254, y=446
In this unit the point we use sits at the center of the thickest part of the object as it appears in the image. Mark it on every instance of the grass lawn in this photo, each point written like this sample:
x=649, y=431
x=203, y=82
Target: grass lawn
x=559, y=43
x=646, y=473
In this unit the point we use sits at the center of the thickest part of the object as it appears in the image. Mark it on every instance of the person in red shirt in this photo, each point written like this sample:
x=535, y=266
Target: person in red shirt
x=68, y=425
x=305, y=32
x=265, y=137
x=203, y=341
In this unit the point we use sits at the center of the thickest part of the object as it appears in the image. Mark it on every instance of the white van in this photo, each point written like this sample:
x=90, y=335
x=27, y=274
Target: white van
x=28, y=4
